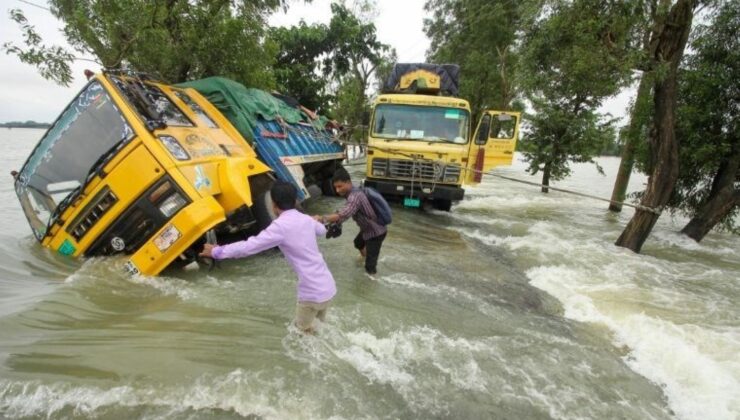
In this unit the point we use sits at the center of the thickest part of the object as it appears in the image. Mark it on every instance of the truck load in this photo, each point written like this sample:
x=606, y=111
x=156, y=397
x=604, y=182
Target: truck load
x=434, y=79
x=298, y=145
x=421, y=144
x=153, y=171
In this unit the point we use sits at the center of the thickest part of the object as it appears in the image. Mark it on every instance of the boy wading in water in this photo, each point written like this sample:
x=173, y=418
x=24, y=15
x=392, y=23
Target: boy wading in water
x=295, y=234
x=358, y=207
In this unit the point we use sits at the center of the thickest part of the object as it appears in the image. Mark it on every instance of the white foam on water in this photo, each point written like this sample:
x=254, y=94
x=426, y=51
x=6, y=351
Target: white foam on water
x=498, y=222
x=636, y=297
x=418, y=362
x=241, y=392
x=486, y=238
x=679, y=240
x=168, y=286
x=699, y=379
x=443, y=291
x=486, y=201
x=549, y=242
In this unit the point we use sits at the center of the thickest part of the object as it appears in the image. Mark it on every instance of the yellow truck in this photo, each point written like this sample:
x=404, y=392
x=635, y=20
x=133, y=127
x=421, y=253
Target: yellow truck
x=153, y=171
x=420, y=147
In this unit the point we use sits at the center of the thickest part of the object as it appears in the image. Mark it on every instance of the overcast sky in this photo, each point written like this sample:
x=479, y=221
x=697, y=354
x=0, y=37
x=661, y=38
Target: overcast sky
x=25, y=95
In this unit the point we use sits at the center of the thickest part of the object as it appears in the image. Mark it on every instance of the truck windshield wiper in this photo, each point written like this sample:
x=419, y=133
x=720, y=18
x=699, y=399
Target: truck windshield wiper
x=441, y=140
x=135, y=93
x=103, y=159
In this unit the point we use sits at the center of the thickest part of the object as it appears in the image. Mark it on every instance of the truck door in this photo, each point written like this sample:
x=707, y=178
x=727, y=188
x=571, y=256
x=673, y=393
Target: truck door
x=493, y=143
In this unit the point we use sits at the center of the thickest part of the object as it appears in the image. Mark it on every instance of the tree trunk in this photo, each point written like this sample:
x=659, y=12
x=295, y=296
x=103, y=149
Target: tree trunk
x=712, y=213
x=667, y=50
x=546, y=177
x=628, y=152
x=721, y=201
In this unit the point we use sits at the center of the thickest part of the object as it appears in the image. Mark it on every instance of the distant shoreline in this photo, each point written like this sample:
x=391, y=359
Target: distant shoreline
x=28, y=124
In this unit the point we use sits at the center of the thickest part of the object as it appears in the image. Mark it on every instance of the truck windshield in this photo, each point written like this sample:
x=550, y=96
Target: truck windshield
x=80, y=140
x=427, y=123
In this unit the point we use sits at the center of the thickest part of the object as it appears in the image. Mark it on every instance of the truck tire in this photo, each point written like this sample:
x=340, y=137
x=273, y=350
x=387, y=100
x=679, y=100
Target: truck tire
x=262, y=202
x=441, y=204
x=262, y=211
x=327, y=188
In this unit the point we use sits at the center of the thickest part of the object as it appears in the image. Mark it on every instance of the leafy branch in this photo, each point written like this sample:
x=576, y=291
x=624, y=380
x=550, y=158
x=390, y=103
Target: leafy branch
x=53, y=62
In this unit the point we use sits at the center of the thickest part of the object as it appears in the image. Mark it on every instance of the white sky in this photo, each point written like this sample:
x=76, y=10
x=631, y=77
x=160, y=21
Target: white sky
x=25, y=95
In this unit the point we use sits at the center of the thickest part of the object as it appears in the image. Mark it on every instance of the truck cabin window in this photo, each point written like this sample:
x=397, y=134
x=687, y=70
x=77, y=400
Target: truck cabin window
x=424, y=123
x=80, y=141
x=151, y=103
x=204, y=118
x=502, y=127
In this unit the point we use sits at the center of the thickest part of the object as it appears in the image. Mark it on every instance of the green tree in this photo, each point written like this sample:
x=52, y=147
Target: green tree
x=174, y=40
x=574, y=56
x=298, y=67
x=480, y=36
x=53, y=62
x=708, y=126
x=355, y=57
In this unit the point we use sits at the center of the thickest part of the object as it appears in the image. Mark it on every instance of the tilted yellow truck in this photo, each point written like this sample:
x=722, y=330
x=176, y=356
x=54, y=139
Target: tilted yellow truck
x=420, y=146
x=153, y=171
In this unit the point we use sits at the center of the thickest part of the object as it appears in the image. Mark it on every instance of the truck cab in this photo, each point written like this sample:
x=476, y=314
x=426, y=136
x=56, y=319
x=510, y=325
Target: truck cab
x=142, y=169
x=421, y=146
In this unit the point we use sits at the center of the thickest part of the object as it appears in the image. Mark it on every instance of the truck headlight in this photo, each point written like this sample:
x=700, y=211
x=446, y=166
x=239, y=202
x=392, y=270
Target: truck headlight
x=378, y=171
x=174, y=147
x=167, y=199
x=379, y=167
x=172, y=204
x=451, y=178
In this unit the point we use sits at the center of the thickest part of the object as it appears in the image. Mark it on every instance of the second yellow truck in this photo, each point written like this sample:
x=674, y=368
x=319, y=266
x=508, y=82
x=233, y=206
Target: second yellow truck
x=420, y=146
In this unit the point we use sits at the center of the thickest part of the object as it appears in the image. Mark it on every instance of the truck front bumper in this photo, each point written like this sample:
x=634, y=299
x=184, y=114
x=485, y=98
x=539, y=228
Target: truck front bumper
x=426, y=190
x=188, y=225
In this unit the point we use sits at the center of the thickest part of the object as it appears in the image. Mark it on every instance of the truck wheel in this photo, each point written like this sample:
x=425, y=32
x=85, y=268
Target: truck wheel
x=261, y=202
x=262, y=211
x=442, y=204
x=327, y=188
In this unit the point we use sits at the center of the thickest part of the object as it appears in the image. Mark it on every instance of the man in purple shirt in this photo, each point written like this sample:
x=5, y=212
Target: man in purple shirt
x=295, y=234
x=372, y=233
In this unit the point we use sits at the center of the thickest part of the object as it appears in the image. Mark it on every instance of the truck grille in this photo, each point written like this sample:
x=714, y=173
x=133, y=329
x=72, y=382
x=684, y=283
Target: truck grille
x=138, y=223
x=90, y=215
x=422, y=170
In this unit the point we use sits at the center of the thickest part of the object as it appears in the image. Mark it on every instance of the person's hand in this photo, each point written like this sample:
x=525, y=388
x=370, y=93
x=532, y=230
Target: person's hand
x=317, y=218
x=207, y=250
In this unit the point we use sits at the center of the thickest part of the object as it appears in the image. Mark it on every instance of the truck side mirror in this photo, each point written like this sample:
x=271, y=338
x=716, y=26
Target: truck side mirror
x=485, y=125
x=365, y=118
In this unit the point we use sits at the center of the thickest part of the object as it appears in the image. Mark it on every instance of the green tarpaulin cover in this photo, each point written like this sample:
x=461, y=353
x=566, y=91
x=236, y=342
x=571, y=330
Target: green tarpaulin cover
x=245, y=106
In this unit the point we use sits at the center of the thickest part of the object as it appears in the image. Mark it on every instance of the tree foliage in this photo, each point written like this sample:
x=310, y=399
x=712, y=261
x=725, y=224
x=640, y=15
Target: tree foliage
x=53, y=62
x=174, y=40
x=299, y=67
x=355, y=57
x=481, y=37
x=708, y=117
x=331, y=67
x=574, y=56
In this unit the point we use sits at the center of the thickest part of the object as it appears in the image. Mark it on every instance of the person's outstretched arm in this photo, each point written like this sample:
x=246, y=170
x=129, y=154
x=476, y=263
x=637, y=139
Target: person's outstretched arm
x=320, y=228
x=349, y=209
x=271, y=237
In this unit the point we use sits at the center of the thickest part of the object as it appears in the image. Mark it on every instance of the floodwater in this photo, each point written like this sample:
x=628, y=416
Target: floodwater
x=515, y=305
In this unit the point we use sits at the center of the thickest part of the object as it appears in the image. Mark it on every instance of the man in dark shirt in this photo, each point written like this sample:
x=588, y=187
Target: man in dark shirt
x=372, y=233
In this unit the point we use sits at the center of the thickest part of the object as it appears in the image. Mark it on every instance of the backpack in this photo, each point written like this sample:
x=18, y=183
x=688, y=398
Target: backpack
x=379, y=205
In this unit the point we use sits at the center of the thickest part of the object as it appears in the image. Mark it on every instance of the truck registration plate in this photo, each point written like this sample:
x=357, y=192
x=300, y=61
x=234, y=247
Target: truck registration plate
x=411, y=202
